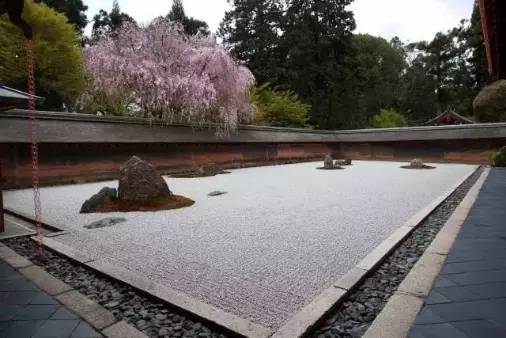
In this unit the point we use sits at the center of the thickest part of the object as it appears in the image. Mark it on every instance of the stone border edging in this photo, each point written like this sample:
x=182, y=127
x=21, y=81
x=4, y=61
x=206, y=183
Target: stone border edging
x=29, y=218
x=97, y=316
x=177, y=299
x=310, y=315
x=399, y=314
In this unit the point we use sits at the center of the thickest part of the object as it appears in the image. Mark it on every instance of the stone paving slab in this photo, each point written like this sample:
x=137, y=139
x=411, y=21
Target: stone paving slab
x=15, y=228
x=27, y=311
x=266, y=249
x=469, y=297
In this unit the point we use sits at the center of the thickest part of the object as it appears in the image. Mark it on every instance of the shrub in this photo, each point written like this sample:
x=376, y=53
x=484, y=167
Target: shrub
x=499, y=158
x=490, y=104
x=59, y=68
x=168, y=75
x=279, y=108
x=388, y=118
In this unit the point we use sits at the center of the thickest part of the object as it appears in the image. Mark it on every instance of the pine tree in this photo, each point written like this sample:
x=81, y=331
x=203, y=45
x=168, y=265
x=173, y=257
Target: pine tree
x=190, y=25
x=252, y=29
x=74, y=10
x=106, y=23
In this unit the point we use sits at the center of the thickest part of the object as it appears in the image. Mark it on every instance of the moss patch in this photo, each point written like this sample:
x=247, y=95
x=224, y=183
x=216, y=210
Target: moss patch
x=334, y=168
x=194, y=174
x=157, y=204
x=418, y=168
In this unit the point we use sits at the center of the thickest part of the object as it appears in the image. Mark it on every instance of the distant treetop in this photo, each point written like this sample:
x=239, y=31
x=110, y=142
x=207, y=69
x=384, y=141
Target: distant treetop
x=190, y=25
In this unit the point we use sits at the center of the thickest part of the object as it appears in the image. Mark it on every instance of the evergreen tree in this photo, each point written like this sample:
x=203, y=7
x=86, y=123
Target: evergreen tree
x=106, y=23
x=74, y=10
x=316, y=46
x=190, y=25
x=59, y=69
x=475, y=43
x=252, y=29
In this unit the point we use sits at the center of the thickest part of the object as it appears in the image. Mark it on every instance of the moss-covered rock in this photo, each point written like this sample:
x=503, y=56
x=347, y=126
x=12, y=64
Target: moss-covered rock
x=490, y=104
x=499, y=158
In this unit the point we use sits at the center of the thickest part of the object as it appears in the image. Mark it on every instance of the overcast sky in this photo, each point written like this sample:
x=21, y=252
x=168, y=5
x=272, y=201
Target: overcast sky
x=411, y=20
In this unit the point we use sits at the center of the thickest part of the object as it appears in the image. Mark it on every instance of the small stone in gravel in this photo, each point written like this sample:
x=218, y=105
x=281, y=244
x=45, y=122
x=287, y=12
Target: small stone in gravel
x=161, y=317
x=111, y=305
x=106, y=222
x=217, y=193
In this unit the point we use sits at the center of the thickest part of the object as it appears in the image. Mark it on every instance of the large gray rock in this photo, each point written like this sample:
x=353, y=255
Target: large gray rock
x=139, y=181
x=104, y=196
x=417, y=163
x=328, y=162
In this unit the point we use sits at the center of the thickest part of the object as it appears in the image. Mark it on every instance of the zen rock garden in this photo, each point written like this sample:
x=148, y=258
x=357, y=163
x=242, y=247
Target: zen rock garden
x=140, y=188
x=251, y=252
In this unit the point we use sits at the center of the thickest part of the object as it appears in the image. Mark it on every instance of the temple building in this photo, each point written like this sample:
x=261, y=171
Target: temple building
x=448, y=117
x=12, y=98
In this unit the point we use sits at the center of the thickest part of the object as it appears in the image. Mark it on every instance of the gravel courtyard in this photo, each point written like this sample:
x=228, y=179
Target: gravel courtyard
x=280, y=235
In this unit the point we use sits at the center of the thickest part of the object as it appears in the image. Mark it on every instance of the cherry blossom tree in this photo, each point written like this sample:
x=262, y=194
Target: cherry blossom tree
x=162, y=73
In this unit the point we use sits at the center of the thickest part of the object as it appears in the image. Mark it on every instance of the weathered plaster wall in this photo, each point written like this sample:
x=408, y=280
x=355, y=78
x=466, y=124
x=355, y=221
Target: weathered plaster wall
x=76, y=148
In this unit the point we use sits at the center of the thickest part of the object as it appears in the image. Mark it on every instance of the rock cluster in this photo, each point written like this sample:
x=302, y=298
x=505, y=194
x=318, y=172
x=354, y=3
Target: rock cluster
x=417, y=164
x=329, y=164
x=140, y=186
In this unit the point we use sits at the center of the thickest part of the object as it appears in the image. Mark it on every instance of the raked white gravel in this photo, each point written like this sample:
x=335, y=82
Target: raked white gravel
x=280, y=235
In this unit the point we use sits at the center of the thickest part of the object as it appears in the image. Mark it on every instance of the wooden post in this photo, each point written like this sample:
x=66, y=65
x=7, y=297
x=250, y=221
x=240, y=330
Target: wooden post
x=2, y=224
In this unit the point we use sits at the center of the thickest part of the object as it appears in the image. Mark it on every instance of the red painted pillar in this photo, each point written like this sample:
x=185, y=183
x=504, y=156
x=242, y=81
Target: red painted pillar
x=2, y=224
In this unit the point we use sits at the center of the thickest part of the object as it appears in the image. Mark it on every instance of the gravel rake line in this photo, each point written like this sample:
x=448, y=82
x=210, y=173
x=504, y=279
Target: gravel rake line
x=353, y=317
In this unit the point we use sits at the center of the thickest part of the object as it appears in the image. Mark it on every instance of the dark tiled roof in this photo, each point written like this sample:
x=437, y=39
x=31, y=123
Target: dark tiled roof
x=14, y=94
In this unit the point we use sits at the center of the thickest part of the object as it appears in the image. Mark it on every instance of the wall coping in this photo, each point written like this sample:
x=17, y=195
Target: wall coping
x=104, y=131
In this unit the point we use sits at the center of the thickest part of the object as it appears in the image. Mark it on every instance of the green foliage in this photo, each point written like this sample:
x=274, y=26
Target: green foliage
x=106, y=23
x=499, y=158
x=59, y=71
x=279, y=108
x=298, y=45
x=490, y=104
x=307, y=46
x=74, y=10
x=388, y=118
x=447, y=72
x=251, y=29
x=190, y=25
x=376, y=67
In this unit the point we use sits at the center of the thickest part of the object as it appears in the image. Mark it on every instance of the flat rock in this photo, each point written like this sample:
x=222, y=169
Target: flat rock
x=217, y=193
x=106, y=222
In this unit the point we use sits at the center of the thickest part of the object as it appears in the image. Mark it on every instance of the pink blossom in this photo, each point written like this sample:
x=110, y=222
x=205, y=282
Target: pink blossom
x=169, y=75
